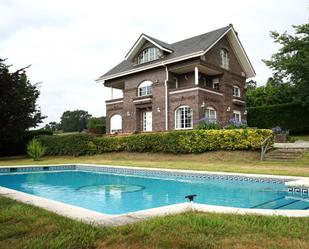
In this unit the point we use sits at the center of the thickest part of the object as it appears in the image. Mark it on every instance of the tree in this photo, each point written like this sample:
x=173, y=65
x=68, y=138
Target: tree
x=53, y=126
x=74, y=120
x=18, y=108
x=97, y=125
x=291, y=63
x=271, y=94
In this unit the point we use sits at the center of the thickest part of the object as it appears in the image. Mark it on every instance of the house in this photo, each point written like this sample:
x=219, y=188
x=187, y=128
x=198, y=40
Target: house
x=173, y=86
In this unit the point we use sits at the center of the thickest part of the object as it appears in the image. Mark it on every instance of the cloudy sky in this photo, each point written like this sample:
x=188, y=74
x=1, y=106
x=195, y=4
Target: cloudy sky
x=70, y=43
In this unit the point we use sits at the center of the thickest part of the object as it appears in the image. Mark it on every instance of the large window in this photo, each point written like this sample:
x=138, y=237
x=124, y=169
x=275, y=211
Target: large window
x=236, y=91
x=211, y=114
x=224, y=58
x=237, y=116
x=145, y=88
x=116, y=123
x=183, y=118
x=148, y=54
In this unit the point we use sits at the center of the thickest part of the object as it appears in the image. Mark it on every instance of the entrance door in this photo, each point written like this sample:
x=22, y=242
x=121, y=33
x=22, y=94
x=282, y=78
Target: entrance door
x=147, y=121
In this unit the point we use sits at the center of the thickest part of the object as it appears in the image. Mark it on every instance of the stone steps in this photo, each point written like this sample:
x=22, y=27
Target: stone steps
x=283, y=155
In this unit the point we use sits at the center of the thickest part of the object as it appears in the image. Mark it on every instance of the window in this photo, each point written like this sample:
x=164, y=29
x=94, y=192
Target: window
x=237, y=116
x=149, y=54
x=211, y=115
x=215, y=83
x=224, y=58
x=183, y=118
x=116, y=123
x=236, y=91
x=145, y=88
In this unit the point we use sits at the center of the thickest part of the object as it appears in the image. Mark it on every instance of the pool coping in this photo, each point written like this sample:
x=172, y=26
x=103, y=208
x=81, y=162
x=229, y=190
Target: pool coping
x=97, y=218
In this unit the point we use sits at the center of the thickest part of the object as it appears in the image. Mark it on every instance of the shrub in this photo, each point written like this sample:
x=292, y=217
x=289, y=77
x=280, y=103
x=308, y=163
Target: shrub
x=35, y=149
x=193, y=141
x=292, y=116
x=205, y=124
x=235, y=124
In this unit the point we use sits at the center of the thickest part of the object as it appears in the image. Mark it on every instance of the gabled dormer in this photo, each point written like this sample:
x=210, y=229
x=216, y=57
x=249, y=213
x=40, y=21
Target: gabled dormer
x=147, y=49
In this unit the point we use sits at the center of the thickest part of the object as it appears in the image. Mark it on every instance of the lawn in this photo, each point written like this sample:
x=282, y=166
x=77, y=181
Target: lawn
x=26, y=226
x=304, y=137
x=233, y=161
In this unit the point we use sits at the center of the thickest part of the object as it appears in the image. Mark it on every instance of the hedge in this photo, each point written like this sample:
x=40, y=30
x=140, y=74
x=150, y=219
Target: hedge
x=290, y=116
x=193, y=141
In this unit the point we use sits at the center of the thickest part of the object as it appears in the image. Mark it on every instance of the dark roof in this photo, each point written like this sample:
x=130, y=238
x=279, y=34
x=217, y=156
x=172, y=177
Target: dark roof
x=180, y=48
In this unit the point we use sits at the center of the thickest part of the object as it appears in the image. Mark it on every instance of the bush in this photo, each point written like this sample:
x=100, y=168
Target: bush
x=35, y=149
x=193, y=141
x=97, y=125
x=292, y=116
x=206, y=125
x=235, y=124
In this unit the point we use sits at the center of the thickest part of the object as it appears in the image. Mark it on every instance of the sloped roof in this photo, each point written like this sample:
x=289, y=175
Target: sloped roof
x=194, y=46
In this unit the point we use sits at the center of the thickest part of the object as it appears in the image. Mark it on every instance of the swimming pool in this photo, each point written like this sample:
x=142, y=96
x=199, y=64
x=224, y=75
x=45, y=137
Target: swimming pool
x=121, y=190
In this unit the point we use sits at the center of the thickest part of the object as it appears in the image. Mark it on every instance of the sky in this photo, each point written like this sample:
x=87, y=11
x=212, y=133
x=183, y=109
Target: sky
x=70, y=43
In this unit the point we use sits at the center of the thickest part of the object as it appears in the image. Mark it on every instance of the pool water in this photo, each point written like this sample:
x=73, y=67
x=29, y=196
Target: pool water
x=119, y=193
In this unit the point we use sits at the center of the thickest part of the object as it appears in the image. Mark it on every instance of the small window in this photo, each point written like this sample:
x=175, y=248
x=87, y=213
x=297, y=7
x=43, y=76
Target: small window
x=237, y=116
x=145, y=88
x=215, y=83
x=211, y=115
x=224, y=58
x=183, y=118
x=148, y=54
x=236, y=91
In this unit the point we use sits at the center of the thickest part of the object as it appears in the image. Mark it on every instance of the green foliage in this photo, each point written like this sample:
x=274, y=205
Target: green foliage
x=74, y=120
x=18, y=108
x=53, y=126
x=97, y=125
x=270, y=94
x=35, y=149
x=290, y=116
x=193, y=141
x=291, y=63
x=208, y=126
x=75, y=144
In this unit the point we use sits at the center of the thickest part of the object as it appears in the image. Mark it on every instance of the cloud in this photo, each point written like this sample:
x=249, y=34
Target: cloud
x=71, y=43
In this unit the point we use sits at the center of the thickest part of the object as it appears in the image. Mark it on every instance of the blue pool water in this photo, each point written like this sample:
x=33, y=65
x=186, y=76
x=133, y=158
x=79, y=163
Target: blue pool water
x=118, y=194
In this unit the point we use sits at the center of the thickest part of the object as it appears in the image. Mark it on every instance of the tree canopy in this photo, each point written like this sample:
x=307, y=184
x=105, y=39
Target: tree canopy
x=291, y=63
x=18, y=107
x=74, y=120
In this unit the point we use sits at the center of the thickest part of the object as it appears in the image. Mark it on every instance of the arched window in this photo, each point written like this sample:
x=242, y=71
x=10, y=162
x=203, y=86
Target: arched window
x=145, y=88
x=149, y=54
x=224, y=58
x=116, y=123
x=183, y=118
x=236, y=91
x=211, y=114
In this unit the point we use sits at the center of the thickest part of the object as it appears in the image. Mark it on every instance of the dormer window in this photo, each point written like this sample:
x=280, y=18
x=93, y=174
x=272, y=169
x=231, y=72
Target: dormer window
x=149, y=54
x=145, y=88
x=236, y=91
x=224, y=58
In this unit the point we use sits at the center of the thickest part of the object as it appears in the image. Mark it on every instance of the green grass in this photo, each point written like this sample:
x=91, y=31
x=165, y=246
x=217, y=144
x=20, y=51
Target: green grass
x=228, y=161
x=26, y=226
x=304, y=137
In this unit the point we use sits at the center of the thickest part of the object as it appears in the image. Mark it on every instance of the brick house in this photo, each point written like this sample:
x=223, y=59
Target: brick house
x=174, y=86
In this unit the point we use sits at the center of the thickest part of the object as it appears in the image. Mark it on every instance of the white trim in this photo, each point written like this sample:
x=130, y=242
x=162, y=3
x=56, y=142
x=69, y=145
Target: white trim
x=195, y=89
x=239, y=113
x=114, y=102
x=196, y=75
x=129, y=54
x=175, y=116
x=141, y=100
x=238, y=100
x=181, y=58
x=238, y=88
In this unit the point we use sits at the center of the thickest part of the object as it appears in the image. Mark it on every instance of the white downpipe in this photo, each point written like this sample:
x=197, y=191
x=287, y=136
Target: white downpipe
x=196, y=75
x=166, y=96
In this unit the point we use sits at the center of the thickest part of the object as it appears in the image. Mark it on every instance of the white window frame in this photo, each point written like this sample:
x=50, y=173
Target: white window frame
x=236, y=91
x=148, y=54
x=237, y=113
x=215, y=81
x=178, y=123
x=145, y=88
x=208, y=109
x=225, y=61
